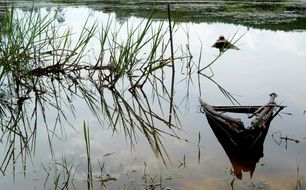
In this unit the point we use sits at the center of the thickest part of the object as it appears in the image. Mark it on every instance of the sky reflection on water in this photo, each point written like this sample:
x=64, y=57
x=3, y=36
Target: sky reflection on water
x=268, y=62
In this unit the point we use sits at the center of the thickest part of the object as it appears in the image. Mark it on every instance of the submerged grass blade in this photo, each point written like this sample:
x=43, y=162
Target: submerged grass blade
x=89, y=167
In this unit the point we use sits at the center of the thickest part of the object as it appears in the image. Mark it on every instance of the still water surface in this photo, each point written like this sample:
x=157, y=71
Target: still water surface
x=269, y=61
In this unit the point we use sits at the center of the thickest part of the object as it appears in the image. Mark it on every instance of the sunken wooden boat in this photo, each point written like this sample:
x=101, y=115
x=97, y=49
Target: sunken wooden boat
x=243, y=145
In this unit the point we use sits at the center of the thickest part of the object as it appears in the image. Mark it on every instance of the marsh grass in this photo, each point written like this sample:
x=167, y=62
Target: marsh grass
x=59, y=174
x=45, y=67
x=151, y=182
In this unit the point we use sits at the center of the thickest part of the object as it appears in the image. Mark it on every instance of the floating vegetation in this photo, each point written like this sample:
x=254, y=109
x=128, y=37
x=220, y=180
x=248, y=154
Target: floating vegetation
x=280, y=15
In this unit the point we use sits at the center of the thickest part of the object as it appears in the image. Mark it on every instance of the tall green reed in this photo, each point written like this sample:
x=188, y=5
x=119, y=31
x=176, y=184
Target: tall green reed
x=44, y=68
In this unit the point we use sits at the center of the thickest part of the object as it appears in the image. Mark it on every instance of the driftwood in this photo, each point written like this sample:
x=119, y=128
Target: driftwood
x=243, y=146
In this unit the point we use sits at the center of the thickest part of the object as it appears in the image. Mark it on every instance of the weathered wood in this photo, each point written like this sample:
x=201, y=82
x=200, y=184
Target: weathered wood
x=236, y=109
x=212, y=110
x=242, y=109
x=243, y=146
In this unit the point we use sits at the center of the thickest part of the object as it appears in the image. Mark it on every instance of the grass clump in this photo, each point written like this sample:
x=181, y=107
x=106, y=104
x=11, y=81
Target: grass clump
x=44, y=68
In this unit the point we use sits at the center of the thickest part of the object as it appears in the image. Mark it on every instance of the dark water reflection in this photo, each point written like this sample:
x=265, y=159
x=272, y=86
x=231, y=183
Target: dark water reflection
x=269, y=61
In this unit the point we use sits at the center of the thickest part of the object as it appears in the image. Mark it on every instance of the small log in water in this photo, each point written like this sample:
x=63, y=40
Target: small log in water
x=227, y=118
x=236, y=109
x=265, y=110
x=242, y=109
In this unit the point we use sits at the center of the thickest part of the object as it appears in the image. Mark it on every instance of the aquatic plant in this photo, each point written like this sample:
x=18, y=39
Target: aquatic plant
x=42, y=69
x=126, y=85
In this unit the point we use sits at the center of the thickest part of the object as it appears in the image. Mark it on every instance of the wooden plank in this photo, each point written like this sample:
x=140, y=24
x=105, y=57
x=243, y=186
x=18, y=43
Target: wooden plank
x=236, y=109
x=241, y=109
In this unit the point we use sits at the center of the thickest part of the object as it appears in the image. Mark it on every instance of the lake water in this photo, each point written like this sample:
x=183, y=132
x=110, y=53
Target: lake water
x=268, y=61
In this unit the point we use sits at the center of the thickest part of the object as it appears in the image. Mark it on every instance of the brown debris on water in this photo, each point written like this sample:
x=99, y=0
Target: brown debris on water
x=223, y=44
